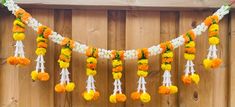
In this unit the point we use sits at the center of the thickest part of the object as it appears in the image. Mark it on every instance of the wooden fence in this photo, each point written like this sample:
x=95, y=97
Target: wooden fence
x=117, y=29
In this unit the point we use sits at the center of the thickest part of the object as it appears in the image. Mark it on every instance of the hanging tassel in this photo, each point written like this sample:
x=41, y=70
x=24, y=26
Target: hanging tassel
x=18, y=36
x=42, y=39
x=117, y=63
x=65, y=84
x=142, y=72
x=212, y=60
x=91, y=93
x=190, y=50
x=167, y=59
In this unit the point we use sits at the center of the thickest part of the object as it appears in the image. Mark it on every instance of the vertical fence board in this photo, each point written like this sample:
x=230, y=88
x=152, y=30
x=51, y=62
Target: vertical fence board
x=169, y=30
x=142, y=30
x=90, y=27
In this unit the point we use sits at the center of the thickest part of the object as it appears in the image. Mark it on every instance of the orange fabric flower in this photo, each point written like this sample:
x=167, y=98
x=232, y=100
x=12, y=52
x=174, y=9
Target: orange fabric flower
x=64, y=58
x=47, y=32
x=40, y=29
x=216, y=63
x=214, y=33
x=25, y=17
x=19, y=12
x=192, y=35
x=135, y=95
x=13, y=60
x=190, y=50
x=96, y=95
x=143, y=67
x=208, y=21
x=43, y=76
x=42, y=45
x=118, y=69
x=64, y=41
x=72, y=44
x=186, y=38
x=24, y=61
x=186, y=79
x=215, y=18
x=60, y=88
x=92, y=52
x=121, y=97
x=163, y=90
x=18, y=29
x=91, y=66
x=167, y=60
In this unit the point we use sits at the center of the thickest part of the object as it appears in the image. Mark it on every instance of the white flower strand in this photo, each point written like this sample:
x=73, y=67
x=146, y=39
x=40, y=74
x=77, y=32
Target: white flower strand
x=167, y=79
x=90, y=83
x=189, y=68
x=141, y=85
x=117, y=87
x=128, y=54
x=64, y=76
x=19, y=49
x=40, y=64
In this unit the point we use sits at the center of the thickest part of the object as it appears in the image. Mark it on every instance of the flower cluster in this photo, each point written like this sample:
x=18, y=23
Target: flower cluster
x=18, y=36
x=189, y=54
x=167, y=59
x=117, y=63
x=212, y=61
x=22, y=15
x=64, y=62
x=91, y=93
x=142, y=72
x=42, y=39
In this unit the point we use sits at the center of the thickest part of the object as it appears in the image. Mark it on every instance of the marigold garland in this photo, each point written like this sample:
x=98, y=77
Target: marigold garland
x=167, y=59
x=212, y=60
x=19, y=35
x=142, y=73
x=42, y=40
x=64, y=61
x=117, y=63
x=189, y=54
x=91, y=93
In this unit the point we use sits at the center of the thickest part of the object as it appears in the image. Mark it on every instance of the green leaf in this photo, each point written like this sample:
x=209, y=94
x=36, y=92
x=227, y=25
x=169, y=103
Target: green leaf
x=3, y=2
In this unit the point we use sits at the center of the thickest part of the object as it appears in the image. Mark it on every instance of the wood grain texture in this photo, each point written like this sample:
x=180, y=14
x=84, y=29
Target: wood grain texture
x=90, y=27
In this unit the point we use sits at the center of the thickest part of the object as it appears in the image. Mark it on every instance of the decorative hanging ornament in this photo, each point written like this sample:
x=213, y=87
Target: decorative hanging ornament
x=64, y=61
x=117, y=63
x=167, y=59
x=212, y=60
x=189, y=54
x=19, y=36
x=91, y=93
x=142, y=72
x=42, y=40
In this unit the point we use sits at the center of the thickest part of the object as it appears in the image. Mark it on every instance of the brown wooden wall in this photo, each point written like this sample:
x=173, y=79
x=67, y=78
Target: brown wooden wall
x=117, y=29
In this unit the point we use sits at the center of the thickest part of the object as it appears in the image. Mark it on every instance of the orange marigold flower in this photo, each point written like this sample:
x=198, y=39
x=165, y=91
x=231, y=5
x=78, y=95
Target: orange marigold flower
x=186, y=79
x=143, y=67
x=164, y=90
x=19, y=12
x=192, y=35
x=24, y=61
x=18, y=29
x=64, y=41
x=72, y=44
x=43, y=76
x=216, y=63
x=135, y=95
x=64, y=58
x=190, y=50
x=25, y=17
x=47, y=32
x=208, y=21
x=121, y=97
x=118, y=69
x=40, y=29
x=96, y=95
x=186, y=38
x=42, y=45
x=60, y=88
x=13, y=60
x=216, y=18
x=167, y=60
x=91, y=66
x=214, y=33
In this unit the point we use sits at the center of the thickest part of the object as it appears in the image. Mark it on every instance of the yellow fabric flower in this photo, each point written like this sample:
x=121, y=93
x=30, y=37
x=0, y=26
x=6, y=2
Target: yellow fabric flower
x=142, y=73
x=88, y=96
x=145, y=97
x=19, y=36
x=168, y=54
x=166, y=67
x=70, y=87
x=40, y=51
x=207, y=63
x=195, y=78
x=112, y=98
x=214, y=27
x=66, y=51
x=189, y=56
x=191, y=44
x=173, y=89
x=143, y=61
x=117, y=75
x=63, y=64
x=91, y=60
x=19, y=23
x=90, y=72
x=214, y=40
x=34, y=75
x=116, y=63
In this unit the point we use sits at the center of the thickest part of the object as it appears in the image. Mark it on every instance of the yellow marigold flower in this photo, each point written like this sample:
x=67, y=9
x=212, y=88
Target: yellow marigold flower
x=195, y=78
x=88, y=96
x=145, y=97
x=189, y=56
x=214, y=27
x=113, y=99
x=41, y=39
x=117, y=75
x=63, y=64
x=70, y=87
x=19, y=23
x=116, y=63
x=142, y=73
x=173, y=89
x=166, y=67
x=91, y=60
x=214, y=40
x=168, y=54
x=191, y=44
x=207, y=63
x=143, y=61
x=19, y=36
x=34, y=75
x=40, y=51
x=66, y=51
x=90, y=72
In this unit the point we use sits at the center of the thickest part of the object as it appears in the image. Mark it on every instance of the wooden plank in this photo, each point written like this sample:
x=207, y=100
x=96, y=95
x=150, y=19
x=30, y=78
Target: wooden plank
x=37, y=93
x=169, y=30
x=9, y=84
x=63, y=25
x=211, y=91
x=116, y=40
x=231, y=62
x=90, y=27
x=142, y=30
